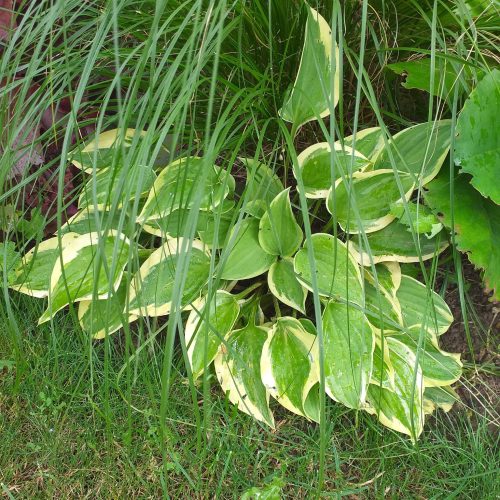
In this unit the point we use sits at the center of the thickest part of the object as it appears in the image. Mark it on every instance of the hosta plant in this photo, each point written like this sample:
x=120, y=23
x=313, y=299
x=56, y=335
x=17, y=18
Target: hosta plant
x=242, y=263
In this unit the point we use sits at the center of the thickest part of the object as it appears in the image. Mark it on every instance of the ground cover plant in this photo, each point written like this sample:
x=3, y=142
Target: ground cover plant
x=256, y=245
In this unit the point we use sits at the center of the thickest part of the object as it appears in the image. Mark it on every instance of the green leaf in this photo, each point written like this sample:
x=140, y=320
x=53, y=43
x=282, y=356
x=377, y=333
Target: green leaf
x=476, y=224
x=279, y=233
x=369, y=142
x=89, y=221
x=181, y=183
x=206, y=327
x=320, y=168
x=400, y=409
x=417, y=217
x=215, y=226
x=438, y=367
x=440, y=397
x=290, y=365
x=99, y=318
x=382, y=307
x=337, y=274
x=395, y=243
x=237, y=366
x=246, y=257
x=367, y=195
x=312, y=96
x=418, y=75
x=388, y=274
x=419, y=150
x=477, y=147
x=349, y=343
x=271, y=491
x=90, y=267
x=383, y=371
x=155, y=284
x=9, y=259
x=422, y=306
x=261, y=187
x=33, y=272
x=116, y=186
x=285, y=286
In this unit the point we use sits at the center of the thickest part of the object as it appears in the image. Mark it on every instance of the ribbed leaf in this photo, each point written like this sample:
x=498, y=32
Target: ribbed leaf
x=284, y=284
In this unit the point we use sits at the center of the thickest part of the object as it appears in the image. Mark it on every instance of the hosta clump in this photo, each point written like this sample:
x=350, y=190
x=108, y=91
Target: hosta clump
x=194, y=242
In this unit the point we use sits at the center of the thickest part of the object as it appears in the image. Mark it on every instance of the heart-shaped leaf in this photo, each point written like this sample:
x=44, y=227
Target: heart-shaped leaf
x=285, y=286
x=279, y=233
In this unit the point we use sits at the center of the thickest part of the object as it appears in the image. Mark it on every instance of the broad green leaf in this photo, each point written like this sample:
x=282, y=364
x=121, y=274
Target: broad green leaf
x=237, y=366
x=348, y=343
x=184, y=181
x=89, y=221
x=170, y=225
x=157, y=282
x=99, y=318
x=9, y=260
x=421, y=306
x=271, y=491
x=400, y=409
x=313, y=93
x=320, y=167
x=337, y=274
x=387, y=274
x=90, y=267
x=417, y=217
x=419, y=150
x=440, y=397
x=395, y=243
x=290, y=365
x=363, y=202
x=279, y=233
x=214, y=226
x=476, y=224
x=418, y=75
x=438, y=367
x=32, y=274
x=99, y=151
x=369, y=142
x=206, y=327
x=246, y=258
x=477, y=146
x=383, y=371
x=308, y=326
x=382, y=307
x=116, y=186
x=261, y=187
x=285, y=286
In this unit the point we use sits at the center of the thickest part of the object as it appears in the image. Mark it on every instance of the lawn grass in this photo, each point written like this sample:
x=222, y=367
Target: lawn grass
x=68, y=432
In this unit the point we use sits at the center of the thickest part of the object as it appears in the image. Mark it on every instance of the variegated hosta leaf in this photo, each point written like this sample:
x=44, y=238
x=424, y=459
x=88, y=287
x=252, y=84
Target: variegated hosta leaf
x=400, y=409
x=99, y=318
x=246, y=257
x=349, y=343
x=206, y=327
x=362, y=203
x=388, y=274
x=438, y=367
x=320, y=167
x=285, y=286
x=89, y=221
x=337, y=274
x=116, y=186
x=99, y=152
x=383, y=371
x=89, y=268
x=440, y=397
x=369, y=142
x=313, y=93
x=158, y=281
x=419, y=150
x=422, y=306
x=279, y=233
x=237, y=366
x=184, y=181
x=382, y=307
x=418, y=218
x=290, y=366
x=262, y=186
x=395, y=243
x=32, y=274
